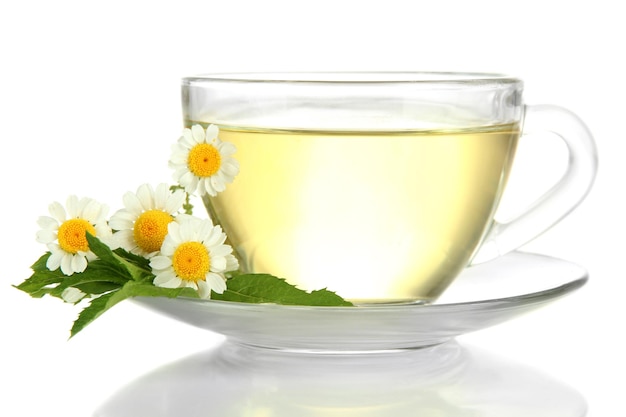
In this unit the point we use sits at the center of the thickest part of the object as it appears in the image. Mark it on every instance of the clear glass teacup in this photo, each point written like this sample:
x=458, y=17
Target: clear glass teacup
x=381, y=187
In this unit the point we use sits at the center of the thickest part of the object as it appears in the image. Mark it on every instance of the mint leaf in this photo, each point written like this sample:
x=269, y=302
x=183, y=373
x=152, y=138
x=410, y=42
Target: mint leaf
x=97, y=287
x=96, y=307
x=97, y=271
x=265, y=288
x=104, y=302
x=105, y=254
x=42, y=281
x=39, y=284
x=137, y=266
x=121, y=261
x=40, y=265
x=248, y=288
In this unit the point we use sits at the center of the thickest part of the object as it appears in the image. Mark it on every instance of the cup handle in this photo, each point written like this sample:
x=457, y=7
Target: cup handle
x=559, y=200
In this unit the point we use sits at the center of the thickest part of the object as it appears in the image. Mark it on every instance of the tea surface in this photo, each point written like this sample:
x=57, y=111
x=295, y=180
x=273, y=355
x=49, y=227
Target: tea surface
x=381, y=216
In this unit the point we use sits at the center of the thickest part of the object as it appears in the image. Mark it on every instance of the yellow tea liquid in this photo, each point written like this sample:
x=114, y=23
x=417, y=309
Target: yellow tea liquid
x=376, y=217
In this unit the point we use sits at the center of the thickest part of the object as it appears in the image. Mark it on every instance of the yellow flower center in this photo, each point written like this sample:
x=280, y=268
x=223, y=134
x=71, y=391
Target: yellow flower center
x=204, y=160
x=150, y=229
x=191, y=261
x=71, y=235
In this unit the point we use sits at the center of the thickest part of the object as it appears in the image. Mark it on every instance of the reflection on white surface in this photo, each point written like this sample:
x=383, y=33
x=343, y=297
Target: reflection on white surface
x=446, y=380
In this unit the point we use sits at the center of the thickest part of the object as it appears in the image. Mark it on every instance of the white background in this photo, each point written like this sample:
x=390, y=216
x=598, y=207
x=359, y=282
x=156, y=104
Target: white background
x=89, y=96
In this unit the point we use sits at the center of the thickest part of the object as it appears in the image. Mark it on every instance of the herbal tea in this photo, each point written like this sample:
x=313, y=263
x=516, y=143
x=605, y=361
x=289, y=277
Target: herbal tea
x=383, y=216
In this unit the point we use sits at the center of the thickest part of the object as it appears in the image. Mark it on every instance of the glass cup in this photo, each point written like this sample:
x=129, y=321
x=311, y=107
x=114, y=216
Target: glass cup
x=381, y=187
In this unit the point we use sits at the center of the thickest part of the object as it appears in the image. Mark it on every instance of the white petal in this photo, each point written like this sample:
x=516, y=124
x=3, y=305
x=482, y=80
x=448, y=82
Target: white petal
x=211, y=133
x=167, y=279
x=217, y=183
x=189, y=284
x=46, y=222
x=191, y=185
x=102, y=230
x=232, y=264
x=188, y=230
x=218, y=263
x=179, y=171
x=217, y=237
x=206, y=187
x=89, y=255
x=101, y=218
x=230, y=167
x=179, y=155
x=54, y=260
x=186, y=140
x=91, y=211
x=205, y=227
x=221, y=250
x=173, y=230
x=125, y=239
x=66, y=264
x=111, y=242
x=168, y=247
x=204, y=290
x=160, y=262
x=183, y=217
x=72, y=206
x=161, y=196
x=82, y=203
x=58, y=212
x=174, y=202
x=187, y=178
x=145, y=196
x=122, y=220
x=104, y=212
x=132, y=203
x=216, y=282
x=72, y=295
x=227, y=149
x=79, y=263
x=198, y=134
x=46, y=236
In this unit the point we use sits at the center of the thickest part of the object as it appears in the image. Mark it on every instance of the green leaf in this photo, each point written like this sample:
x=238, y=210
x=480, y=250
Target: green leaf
x=265, y=288
x=105, y=254
x=127, y=264
x=42, y=279
x=97, y=287
x=40, y=265
x=137, y=266
x=97, y=271
x=104, y=302
x=101, y=250
x=39, y=283
x=96, y=307
x=139, y=261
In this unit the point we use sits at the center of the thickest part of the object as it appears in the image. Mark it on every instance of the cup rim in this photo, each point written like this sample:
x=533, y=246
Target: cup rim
x=355, y=77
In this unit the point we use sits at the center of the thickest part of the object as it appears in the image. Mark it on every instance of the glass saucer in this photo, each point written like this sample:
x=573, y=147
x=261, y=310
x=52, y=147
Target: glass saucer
x=482, y=296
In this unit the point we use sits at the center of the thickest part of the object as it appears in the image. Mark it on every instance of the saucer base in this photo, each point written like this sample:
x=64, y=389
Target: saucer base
x=482, y=296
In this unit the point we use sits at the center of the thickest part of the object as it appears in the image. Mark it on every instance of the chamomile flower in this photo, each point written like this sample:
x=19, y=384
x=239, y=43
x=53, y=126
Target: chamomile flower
x=65, y=233
x=202, y=162
x=142, y=225
x=194, y=255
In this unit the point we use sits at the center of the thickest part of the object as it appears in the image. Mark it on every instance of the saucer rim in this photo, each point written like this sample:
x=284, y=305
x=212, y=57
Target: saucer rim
x=525, y=298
